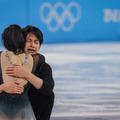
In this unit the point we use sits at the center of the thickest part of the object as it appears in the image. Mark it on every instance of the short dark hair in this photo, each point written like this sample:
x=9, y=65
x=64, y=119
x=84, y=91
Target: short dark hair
x=34, y=30
x=13, y=38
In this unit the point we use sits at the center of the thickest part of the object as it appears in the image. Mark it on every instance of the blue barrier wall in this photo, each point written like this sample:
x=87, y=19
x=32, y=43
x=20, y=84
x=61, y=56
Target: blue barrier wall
x=65, y=21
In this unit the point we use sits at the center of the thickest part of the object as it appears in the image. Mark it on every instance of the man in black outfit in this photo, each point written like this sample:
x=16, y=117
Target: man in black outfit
x=42, y=97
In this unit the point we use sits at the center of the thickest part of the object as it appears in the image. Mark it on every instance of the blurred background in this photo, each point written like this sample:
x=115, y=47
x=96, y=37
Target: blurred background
x=82, y=45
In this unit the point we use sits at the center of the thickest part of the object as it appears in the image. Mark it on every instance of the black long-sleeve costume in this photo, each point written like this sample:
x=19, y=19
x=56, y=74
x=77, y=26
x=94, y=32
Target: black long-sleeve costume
x=42, y=99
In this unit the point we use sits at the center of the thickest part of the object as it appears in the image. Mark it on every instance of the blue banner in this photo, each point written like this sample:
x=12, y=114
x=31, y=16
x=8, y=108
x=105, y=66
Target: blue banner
x=65, y=21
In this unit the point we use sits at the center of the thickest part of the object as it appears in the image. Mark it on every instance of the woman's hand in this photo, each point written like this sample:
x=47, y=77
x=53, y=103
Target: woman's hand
x=12, y=87
x=16, y=71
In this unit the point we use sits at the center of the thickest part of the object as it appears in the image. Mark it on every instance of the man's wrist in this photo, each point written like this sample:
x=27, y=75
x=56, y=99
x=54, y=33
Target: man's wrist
x=27, y=76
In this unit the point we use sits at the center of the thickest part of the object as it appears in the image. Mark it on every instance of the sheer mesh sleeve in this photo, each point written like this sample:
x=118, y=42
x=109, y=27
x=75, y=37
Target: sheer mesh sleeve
x=38, y=60
x=44, y=72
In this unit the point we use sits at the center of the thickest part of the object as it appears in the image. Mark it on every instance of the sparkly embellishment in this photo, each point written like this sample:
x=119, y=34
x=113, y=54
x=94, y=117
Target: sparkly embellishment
x=10, y=61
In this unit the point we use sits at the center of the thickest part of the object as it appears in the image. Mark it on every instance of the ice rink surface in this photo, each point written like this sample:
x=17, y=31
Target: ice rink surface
x=87, y=80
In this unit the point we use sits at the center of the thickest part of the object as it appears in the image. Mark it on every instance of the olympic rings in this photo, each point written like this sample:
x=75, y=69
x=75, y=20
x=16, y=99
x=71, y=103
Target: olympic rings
x=54, y=16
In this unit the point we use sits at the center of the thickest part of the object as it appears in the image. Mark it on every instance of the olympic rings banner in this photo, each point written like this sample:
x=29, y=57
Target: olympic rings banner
x=65, y=21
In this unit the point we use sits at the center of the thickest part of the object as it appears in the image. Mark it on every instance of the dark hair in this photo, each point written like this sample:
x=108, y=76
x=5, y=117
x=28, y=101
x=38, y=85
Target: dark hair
x=36, y=31
x=13, y=38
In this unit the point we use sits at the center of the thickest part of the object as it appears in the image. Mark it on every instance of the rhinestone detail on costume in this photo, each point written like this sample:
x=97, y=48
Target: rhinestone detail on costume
x=25, y=61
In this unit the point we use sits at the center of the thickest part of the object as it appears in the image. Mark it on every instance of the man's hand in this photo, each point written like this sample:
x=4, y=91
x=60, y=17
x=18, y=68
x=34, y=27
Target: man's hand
x=21, y=72
x=12, y=87
x=16, y=71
